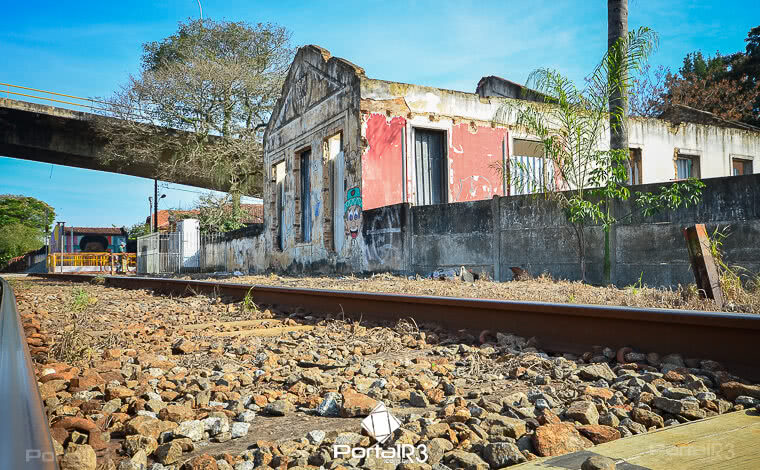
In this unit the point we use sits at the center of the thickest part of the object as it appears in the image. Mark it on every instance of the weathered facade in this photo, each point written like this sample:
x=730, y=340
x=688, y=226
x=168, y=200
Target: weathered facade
x=340, y=143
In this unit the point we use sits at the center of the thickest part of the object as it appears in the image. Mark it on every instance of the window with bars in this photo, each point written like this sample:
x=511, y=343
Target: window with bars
x=687, y=166
x=633, y=166
x=528, y=172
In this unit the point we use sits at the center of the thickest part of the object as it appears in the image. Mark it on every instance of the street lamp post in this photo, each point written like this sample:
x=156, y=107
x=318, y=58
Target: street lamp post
x=150, y=213
x=156, y=197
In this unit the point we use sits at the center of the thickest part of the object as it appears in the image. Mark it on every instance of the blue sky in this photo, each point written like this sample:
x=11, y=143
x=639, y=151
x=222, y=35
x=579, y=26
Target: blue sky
x=88, y=48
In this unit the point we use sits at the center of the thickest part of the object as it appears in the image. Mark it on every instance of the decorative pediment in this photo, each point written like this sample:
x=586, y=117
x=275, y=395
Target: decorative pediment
x=306, y=86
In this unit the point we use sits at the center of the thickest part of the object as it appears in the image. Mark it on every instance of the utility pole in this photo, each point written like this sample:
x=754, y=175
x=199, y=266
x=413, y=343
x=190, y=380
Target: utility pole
x=155, y=205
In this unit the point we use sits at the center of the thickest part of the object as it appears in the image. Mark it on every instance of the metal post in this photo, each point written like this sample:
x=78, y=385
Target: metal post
x=62, y=238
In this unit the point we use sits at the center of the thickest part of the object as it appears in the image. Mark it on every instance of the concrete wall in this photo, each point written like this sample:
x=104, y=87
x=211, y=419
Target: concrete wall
x=238, y=250
x=489, y=237
x=452, y=235
x=533, y=234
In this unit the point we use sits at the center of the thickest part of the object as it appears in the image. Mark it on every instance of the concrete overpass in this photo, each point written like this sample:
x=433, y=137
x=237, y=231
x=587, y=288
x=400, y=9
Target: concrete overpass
x=42, y=133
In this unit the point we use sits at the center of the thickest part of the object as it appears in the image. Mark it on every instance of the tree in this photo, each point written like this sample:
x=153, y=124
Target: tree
x=647, y=90
x=219, y=214
x=215, y=214
x=27, y=211
x=17, y=239
x=138, y=230
x=725, y=85
x=200, y=102
x=584, y=177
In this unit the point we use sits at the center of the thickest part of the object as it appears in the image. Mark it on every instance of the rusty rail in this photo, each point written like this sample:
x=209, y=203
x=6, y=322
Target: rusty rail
x=25, y=440
x=726, y=337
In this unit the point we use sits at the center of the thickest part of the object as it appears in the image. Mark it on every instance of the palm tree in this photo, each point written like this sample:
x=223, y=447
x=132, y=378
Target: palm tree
x=570, y=126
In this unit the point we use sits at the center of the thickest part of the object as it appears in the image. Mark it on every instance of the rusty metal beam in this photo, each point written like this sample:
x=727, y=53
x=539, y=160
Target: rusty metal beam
x=726, y=337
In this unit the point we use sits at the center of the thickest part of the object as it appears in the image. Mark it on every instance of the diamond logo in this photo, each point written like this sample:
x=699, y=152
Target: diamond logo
x=380, y=424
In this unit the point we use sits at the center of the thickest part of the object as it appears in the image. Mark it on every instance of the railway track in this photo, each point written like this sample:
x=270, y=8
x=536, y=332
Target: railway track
x=729, y=338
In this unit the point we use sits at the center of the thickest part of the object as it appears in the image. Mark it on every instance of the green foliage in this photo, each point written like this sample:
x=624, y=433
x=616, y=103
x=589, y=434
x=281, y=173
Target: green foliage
x=248, y=304
x=137, y=230
x=80, y=300
x=219, y=213
x=695, y=64
x=638, y=285
x=27, y=211
x=570, y=125
x=17, y=239
x=670, y=197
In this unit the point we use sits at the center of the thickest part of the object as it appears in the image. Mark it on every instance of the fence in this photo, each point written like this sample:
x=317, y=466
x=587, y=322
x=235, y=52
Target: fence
x=159, y=253
x=188, y=251
x=90, y=262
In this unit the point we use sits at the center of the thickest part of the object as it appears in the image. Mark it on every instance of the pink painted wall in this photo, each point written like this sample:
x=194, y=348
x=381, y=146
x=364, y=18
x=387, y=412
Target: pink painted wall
x=381, y=162
x=472, y=152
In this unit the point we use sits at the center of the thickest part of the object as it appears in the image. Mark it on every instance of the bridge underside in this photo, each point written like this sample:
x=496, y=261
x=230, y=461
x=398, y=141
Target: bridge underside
x=31, y=131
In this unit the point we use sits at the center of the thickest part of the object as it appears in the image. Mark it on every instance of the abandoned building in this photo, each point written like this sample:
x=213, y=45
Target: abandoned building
x=340, y=144
x=365, y=175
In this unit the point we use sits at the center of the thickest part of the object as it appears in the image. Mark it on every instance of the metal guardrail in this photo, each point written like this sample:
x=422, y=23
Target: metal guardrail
x=25, y=441
x=101, y=262
x=83, y=102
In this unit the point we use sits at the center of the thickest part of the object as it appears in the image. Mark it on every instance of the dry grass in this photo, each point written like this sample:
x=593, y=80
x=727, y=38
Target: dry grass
x=72, y=346
x=540, y=289
x=740, y=287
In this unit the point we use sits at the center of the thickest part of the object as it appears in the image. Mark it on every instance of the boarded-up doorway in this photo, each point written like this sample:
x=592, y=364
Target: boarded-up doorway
x=430, y=169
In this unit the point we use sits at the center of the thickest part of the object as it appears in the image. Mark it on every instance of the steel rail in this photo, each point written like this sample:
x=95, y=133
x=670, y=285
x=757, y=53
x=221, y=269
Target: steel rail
x=729, y=338
x=25, y=440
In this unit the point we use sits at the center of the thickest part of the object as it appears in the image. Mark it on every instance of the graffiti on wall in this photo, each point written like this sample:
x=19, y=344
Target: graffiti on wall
x=475, y=187
x=378, y=240
x=353, y=212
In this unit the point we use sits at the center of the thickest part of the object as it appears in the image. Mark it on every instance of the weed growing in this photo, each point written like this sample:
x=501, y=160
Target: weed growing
x=740, y=286
x=80, y=300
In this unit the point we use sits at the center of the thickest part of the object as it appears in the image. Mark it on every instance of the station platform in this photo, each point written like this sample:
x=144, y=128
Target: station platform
x=729, y=441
